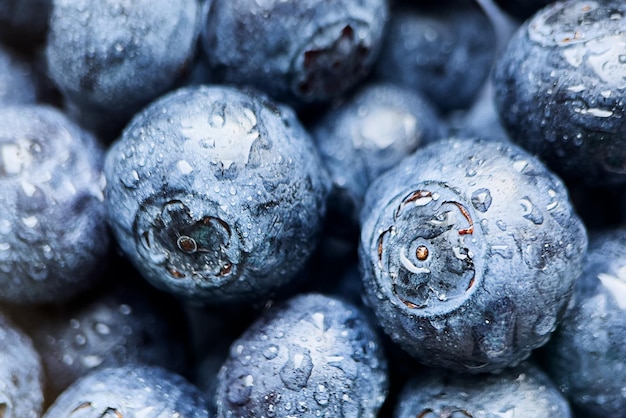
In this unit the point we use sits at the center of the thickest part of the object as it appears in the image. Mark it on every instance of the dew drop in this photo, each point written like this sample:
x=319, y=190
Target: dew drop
x=530, y=212
x=91, y=361
x=297, y=370
x=270, y=352
x=319, y=321
x=102, y=328
x=481, y=200
x=321, y=395
x=240, y=389
x=125, y=309
x=80, y=339
x=130, y=179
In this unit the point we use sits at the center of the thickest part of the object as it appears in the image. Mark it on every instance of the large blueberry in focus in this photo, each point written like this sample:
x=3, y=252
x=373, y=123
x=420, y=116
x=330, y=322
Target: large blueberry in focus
x=470, y=250
x=312, y=356
x=443, y=51
x=586, y=357
x=130, y=391
x=521, y=392
x=216, y=194
x=370, y=133
x=112, y=57
x=21, y=374
x=560, y=89
x=53, y=234
x=297, y=51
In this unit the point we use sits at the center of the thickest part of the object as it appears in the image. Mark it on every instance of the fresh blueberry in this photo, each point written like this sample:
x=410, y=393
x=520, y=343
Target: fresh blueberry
x=445, y=52
x=312, y=356
x=297, y=51
x=216, y=194
x=24, y=23
x=587, y=357
x=522, y=392
x=21, y=374
x=370, y=133
x=469, y=251
x=112, y=57
x=18, y=83
x=130, y=391
x=53, y=234
x=109, y=327
x=559, y=89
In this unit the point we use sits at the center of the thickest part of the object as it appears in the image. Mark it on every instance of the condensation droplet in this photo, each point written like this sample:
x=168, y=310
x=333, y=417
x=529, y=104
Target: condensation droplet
x=530, y=212
x=481, y=200
x=321, y=395
x=102, y=328
x=130, y=179
x=270, y=352
x=91, y=361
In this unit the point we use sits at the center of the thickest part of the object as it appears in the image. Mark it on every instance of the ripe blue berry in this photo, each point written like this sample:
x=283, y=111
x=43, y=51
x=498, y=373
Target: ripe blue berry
x=312, y=356
x=470, y=250
x=216, y=194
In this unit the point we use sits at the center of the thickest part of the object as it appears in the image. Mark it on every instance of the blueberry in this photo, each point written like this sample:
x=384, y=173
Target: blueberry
x=370, y=133
x=586, y=357
x=130, y=391
x=53, y=234
x=312, y=356
x=109, y=327
x=112, y=57
x=21, y=374
x=216, y=194
x=559, y=89
x=301, y=52
x=18, y=84
x=522, y=392
x=445, y=52
x=469, y=251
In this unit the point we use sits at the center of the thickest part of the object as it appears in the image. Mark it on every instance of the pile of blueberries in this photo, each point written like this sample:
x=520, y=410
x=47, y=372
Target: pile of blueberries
x=312, y=208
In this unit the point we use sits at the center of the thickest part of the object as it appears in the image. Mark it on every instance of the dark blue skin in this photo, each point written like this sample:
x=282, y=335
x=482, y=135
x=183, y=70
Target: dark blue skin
x=469, y=251
x=53, y=234
x=587, y=357
x=311, y=356
x=559, y=90
x=444, y=52
x=370, y=133
x=297, y=51
x=521, y=392
x=21, y=374
x=18, y=84
x=109, y=327
x=112, y=57
x=130, y=391
x=216, y=194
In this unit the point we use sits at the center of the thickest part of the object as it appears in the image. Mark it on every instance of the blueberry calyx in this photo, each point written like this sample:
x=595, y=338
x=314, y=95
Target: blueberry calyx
x=336, y=49
x=445, y=412
x=430, y=249
x=204, y=245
